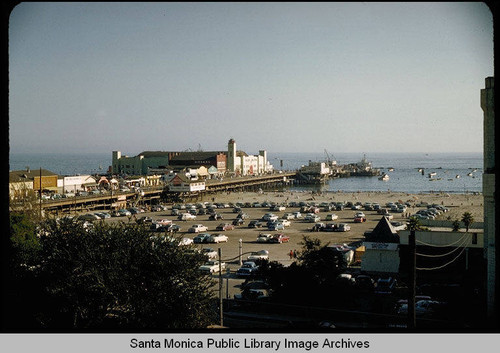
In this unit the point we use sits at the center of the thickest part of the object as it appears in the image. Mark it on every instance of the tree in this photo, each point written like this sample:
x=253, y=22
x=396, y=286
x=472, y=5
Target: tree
x=455, y=225
x=110, y=276
x=414, y=224
x=468, y=219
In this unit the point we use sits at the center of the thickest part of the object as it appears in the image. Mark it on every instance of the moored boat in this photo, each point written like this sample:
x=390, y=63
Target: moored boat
x=384, y=177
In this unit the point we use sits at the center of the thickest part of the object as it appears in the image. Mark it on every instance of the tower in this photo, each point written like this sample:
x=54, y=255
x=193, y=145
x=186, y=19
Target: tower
x=488, y=106
x=115, y=162
x=231, y=156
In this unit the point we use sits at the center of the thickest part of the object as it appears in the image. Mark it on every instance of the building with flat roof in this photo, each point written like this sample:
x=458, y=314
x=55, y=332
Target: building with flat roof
x=229, y=161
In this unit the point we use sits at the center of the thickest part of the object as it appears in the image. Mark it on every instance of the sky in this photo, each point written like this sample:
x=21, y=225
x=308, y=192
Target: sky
x=283, y=77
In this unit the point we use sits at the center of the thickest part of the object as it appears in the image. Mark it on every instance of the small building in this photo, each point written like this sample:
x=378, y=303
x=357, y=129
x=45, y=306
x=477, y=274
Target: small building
x=180, y=183
x=381, y=249
x=77, y=183
x=23, y=182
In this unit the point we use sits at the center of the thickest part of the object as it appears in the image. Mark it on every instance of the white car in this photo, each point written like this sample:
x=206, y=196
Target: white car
x=212, y=266
x=258, y=255
x=331, y=217
x=185, y=241
x=359, y=214
x=264, y=237
x=210, y=253
x=198, y=228
x=186, y=217
x=286, y=222
x=269, y=217
x=288, y=216
x=217, y=238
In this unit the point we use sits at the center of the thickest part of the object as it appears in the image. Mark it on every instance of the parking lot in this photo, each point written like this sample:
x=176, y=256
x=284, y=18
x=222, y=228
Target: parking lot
x=277, y=252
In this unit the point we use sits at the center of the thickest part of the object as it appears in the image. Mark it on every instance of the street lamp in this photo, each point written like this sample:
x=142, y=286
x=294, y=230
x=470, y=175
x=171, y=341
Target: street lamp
x=240, y=250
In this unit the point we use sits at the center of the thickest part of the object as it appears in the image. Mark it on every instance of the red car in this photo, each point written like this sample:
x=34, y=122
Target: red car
x=359, y=220
x=225, y=226
x=279, y=238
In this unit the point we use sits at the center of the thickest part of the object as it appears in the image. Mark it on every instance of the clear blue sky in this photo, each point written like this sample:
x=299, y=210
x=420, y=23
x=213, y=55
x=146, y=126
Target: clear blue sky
x=285, y=77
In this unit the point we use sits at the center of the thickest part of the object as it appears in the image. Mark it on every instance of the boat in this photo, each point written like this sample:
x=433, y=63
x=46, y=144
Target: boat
x=384, y=177
x=457, y=176
x=470, y=174
x=432, y=174
x=391, y=169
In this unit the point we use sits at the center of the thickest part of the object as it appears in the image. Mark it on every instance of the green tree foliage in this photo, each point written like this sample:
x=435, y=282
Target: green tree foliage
x=468, y=219
x=119, y=276
x=311, y=279
x=414, y=224
x=455, y=225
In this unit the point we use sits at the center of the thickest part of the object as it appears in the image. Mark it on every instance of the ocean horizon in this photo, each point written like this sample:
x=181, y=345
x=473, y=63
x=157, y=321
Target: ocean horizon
x=455, y=172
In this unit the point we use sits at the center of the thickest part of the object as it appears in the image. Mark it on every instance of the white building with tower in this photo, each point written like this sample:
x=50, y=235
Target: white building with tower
x=240, y=163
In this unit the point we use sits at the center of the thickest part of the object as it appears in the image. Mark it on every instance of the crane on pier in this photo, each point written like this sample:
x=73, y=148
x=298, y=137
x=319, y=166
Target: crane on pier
x=329, y=160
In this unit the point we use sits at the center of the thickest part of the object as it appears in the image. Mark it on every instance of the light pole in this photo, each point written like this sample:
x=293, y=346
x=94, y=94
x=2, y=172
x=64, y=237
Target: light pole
x=240, y=250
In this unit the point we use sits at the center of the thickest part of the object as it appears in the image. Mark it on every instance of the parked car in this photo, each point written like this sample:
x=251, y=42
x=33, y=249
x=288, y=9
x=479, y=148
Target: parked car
x=331, y=217
x=217, y=238
x=255, y=224
x=259, y=255
x=385, y=285
x=144, y=220
x=215, y=217
x=342, y=227
x=318, y=227
x=388, y=215
x=210, y=253
x=186, y=217
x=185, y=241
x=123, y=212
x=238, y=222
x=88, y=217
x=243, y=215
x=212, y=266
x=280, y=238
x=286, y=222
x=173, y=228
x=197, y=228
x=330, y=227
x=297, y=215
x=201, y=238
x=269, y=217
x=359, y=219
x=312, y=218
x=224, y=227
x=264, y=237
x=276, y=226
x=424, y=308
x=288, y=216
x=247, y=269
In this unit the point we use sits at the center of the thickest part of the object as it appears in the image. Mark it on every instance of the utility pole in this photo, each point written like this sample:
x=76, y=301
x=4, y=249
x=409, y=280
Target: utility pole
x=221, y=309
x=412, y=279
x=40, y=192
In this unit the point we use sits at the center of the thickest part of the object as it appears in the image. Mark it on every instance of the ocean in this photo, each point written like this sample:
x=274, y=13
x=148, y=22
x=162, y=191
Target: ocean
x=404, y=178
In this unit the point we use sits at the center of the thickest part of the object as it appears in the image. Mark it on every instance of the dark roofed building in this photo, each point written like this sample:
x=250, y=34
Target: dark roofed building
x=381, y=249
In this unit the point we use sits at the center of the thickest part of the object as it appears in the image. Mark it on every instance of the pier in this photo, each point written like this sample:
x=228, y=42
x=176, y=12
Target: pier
x=148, y=194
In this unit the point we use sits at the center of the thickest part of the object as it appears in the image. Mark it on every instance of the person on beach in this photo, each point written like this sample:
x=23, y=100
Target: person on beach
x=294, y=254
x=291, y=254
